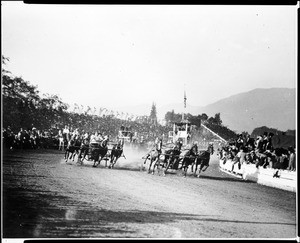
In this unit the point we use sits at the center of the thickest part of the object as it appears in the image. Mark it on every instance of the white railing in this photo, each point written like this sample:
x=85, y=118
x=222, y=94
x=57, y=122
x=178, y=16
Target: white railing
x=283, y=179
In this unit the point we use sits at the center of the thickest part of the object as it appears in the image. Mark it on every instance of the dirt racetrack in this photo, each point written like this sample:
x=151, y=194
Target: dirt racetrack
x=44, y=197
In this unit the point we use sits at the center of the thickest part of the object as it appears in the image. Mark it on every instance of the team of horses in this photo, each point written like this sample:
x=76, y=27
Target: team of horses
x=170, y=158
x=176, y=159
x=95, y=152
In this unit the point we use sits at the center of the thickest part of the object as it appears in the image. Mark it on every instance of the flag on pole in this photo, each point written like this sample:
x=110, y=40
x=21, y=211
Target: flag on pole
x=184, y=99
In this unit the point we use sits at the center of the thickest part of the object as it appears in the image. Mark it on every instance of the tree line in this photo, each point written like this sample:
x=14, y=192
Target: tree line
x=24, y=106
x=172, y=117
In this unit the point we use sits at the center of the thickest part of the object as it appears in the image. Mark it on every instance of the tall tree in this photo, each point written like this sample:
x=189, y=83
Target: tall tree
x=204, y=117
x=172, y=117
x=153, y=114
x=218, y=120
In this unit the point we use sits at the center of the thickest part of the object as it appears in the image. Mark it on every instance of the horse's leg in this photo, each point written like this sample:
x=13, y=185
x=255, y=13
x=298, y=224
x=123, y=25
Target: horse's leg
x=79, y=157
x=157, y=164
x=110, y=161
x=178, y=163
x=150, y=164
x=95, y=158
x=94, y=165
x=74, y=154
x=233, y=165
x=155, y=159
x=167, y=167
x=200, y=169
x=151, y=161
x=116, y=157
x=115, y=161
x=85, y=153
x=147, y=157
x=71, y=154
x=205, y=167
x=105, y=161
x=185, y=171
x=196, y=167
x=144, y=162
x=66, y=155
x=165, y=162
x=192, y=166
x=100, y=159
x=97, y=161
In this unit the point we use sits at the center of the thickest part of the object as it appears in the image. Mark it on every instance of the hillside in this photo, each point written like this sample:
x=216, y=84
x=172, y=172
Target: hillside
x=275, y=108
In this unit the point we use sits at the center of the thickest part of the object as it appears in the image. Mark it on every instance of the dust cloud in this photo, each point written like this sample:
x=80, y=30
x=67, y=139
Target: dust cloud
x=133, y=157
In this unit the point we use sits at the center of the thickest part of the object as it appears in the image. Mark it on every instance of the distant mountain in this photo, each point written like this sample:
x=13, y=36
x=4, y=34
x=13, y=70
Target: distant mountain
x=274, y=108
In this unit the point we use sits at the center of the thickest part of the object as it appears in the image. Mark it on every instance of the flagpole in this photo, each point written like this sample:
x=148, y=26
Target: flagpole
x=184, y=103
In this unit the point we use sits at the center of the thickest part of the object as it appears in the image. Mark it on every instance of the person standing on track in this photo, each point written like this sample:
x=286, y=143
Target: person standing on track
x=158, y=145
x=292, y=159
x=66, y=134
x=60, y=140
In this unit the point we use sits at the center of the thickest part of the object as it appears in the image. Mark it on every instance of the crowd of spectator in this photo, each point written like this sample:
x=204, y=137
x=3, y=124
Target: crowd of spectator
x=258, y=151
x=30, y=138
x=34, y=138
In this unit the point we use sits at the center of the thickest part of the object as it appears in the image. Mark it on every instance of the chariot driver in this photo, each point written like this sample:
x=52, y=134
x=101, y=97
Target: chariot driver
x=93, y=138
x=104, y=140
x=178, y=144
x=194, y=148
x=96, y=139
x=176, y=152
x=119, y=144
x=211, y=147
x=84, y=148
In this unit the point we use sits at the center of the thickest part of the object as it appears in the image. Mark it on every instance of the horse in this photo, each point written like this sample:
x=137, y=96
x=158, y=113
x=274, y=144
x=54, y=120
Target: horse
x=172, y=158
x=116, y=153
x=189, y=158
x=72, y=148
x=153, y=156
x=99, y=153
x=84, y=150
x=202, y=159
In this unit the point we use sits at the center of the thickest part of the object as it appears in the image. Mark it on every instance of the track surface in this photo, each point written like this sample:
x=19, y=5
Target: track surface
x=44, y=197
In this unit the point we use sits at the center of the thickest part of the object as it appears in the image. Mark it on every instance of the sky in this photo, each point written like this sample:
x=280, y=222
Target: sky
x=125, y=55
